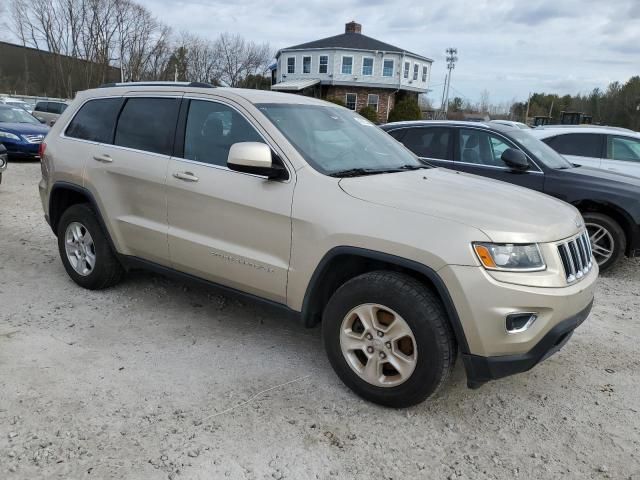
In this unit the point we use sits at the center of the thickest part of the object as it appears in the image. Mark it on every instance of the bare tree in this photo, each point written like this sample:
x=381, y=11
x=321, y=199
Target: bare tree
x=239, y=58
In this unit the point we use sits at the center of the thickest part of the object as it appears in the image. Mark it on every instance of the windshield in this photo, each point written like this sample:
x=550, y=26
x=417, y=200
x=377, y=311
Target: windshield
x=16, y=115
x=334, y=140
x=540, y=150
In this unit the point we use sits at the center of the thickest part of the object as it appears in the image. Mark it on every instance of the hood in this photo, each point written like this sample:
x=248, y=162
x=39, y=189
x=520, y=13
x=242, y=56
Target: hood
x=599, y=176
x=504, y=212
x=24, y=128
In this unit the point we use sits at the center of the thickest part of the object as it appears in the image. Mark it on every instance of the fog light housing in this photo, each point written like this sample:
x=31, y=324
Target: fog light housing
x=519, y=322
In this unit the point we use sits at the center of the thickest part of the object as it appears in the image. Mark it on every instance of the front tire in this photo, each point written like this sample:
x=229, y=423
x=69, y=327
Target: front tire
x=85, y=251
x=388, y=338
x=608, y=241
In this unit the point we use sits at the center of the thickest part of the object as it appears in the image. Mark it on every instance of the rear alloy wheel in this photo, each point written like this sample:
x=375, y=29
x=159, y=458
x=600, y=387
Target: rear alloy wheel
x=85, y=251
x=608, y=241
x=388, y=338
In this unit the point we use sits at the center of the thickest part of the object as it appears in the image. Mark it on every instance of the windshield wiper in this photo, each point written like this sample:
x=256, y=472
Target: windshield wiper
x=358, y=172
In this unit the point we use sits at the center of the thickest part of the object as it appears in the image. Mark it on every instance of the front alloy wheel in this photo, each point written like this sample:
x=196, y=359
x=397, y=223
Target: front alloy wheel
x=378, y=345
x=608, y=241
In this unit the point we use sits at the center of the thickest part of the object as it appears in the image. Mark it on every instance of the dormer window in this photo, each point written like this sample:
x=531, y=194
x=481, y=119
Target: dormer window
x=367, y=66
x=347, y=65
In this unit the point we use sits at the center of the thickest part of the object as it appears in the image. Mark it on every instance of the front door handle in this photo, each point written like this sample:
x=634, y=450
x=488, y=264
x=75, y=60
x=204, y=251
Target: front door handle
x=103, y=158
x=186, y=176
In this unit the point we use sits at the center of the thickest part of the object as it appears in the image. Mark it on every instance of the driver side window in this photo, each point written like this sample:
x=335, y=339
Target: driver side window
x=481, y=148
x=211, y=130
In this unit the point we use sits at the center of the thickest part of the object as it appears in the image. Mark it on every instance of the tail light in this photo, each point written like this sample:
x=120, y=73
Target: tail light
x=41, y=149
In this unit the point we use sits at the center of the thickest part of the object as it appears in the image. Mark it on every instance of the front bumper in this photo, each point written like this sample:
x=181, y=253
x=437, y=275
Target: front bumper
x=483, y=304
x=483, y=369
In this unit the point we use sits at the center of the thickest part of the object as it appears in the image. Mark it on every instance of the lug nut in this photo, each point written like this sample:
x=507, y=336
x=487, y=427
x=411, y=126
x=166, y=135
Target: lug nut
x=369, y=349
x=388, y=345
x=369, y=336
x=383, y=355
x=380, y=334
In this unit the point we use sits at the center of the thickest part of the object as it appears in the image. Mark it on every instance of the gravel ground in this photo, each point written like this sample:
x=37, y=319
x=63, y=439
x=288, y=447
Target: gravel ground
x=157, y=379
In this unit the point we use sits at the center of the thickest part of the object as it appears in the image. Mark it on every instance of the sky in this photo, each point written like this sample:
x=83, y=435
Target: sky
x=508, y=47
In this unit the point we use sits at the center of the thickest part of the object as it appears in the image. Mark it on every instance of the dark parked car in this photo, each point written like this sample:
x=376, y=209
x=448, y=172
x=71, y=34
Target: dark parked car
x=21, y=133
x=609, y=201
x=3, y=160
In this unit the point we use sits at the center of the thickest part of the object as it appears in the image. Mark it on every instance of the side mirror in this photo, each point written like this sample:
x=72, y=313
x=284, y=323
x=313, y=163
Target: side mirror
x=515, y=159
x=255, y=158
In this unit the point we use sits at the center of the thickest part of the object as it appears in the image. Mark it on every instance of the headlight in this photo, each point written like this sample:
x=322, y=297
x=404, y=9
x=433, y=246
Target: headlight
x=10, y=136
x=510, y=257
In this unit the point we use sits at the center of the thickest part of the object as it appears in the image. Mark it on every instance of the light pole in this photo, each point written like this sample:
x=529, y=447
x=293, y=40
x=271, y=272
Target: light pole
x=452, y=58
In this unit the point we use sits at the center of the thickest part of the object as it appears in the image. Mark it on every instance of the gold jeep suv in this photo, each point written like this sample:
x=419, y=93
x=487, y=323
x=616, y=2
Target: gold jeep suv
x=307, y=205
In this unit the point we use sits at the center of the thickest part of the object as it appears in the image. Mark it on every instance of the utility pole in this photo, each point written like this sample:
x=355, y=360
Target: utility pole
x=452, y=58
x=444, y=91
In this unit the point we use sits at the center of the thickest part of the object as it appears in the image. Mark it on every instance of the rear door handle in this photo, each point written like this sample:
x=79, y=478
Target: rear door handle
x=103, y=158
x=186, y=176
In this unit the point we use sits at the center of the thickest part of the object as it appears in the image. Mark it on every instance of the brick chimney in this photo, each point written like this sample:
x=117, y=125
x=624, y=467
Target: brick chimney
x=352, y=27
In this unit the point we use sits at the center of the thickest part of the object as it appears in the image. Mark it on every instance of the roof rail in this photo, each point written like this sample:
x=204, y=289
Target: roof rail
x=157, y=84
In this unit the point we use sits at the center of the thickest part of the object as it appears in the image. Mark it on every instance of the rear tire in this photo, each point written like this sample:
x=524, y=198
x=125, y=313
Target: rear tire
x=393, y=302
x=85, y=252
x=608, y=240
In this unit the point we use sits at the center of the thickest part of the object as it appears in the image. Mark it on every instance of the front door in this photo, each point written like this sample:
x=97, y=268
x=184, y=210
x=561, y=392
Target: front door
x=478, y=151
x=225, y=226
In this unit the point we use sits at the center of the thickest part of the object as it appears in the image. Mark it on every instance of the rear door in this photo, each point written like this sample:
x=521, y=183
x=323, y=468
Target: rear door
x=623, y=155
x=579, y=148
x=128, y=176
x=478, y=151
x=228, y=227
x=433, y=144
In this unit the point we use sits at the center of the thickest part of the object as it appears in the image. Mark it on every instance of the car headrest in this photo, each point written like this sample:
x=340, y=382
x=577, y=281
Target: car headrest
x=472, y=141
x=212, y=127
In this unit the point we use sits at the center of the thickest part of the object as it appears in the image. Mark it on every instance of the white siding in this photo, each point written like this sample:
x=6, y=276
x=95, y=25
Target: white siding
x=334, y=70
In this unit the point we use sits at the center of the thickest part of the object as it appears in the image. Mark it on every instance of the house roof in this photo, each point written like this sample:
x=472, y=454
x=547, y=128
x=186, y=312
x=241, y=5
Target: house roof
x=295, y=85
x=355, y=41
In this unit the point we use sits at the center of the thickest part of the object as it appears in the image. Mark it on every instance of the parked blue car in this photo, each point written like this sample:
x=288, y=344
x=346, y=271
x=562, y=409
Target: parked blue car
x=21, y=133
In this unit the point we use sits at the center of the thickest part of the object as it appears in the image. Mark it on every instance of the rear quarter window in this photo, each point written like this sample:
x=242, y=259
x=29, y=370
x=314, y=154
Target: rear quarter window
x=41, y=107
x=578, y=144
x=95, y=121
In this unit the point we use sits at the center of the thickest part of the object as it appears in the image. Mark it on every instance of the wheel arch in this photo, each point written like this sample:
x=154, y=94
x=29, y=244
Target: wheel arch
x=63, y=195
x=343, y=263
x=616, y=213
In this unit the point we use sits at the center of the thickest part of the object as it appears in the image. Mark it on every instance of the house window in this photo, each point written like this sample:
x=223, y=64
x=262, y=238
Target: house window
x=406, y=69
x=291, y=65
x=306, y=64
x=424, y=73
x=324, y=64
x=347, y=65
x=387, y=70
x=372, y=101
x=367, y=66
x=351, y=101
x=416, y=69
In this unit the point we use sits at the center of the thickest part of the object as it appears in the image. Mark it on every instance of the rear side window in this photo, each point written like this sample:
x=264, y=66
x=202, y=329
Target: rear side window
x=148, y=124
x=41, y=107
x=428, y=142
x=56, y=107
x=578, y=144
x=623, y=148
x=95, y=121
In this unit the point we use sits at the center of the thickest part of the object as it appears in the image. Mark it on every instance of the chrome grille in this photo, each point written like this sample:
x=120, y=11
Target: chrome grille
x=34, y=138
x=576, y=256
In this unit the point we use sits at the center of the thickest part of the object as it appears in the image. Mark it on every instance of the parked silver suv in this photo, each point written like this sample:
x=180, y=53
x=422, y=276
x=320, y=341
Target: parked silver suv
x=309, y=206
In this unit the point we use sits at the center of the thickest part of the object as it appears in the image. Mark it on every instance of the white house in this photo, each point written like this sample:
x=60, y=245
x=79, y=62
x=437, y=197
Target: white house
x=354, y=68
